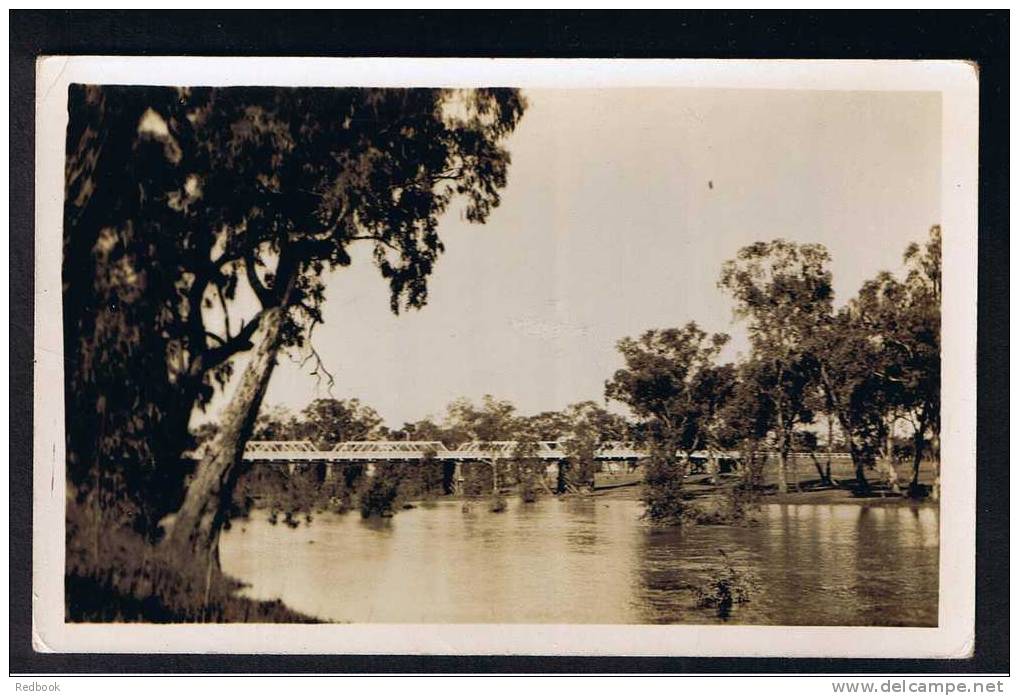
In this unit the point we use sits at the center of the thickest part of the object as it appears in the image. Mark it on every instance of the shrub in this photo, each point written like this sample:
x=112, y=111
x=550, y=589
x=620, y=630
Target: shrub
x=735, y=506
x=379, y=496
x=728, y=586
x=662, y=492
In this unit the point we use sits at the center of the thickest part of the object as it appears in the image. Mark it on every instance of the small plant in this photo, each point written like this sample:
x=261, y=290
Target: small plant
x=498, y=505
x=380, y=495
x=729, y=587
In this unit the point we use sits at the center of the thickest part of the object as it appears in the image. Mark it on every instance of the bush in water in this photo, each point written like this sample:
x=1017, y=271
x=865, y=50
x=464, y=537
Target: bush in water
x=728, y=586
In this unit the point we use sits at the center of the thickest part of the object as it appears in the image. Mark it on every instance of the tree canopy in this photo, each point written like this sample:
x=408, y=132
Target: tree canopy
x=784, y=291
x=668, y=382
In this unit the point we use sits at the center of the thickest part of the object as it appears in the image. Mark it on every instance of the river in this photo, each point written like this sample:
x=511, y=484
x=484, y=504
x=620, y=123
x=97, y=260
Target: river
x=591, y=560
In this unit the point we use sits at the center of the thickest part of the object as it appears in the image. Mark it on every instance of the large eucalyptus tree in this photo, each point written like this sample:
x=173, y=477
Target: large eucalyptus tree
x=179, y=202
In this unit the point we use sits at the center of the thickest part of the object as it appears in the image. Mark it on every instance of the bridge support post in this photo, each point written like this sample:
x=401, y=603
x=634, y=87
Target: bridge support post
x=329, y=472
x=291, y=467
x=713, y=467
x=458, y=478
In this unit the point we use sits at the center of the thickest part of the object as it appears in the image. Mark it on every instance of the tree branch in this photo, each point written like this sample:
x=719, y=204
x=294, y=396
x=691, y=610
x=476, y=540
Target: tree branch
x=226, y=313
x=261, y=292
x=320, y=370
x=212, y=358
x=216, y=337
x=374, y=238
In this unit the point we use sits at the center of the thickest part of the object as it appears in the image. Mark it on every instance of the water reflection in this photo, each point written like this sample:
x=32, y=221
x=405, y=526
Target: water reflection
x=591, y=560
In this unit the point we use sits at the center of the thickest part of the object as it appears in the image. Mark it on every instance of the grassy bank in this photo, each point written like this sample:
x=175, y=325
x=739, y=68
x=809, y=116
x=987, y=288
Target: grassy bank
x=805, y=490
x=117, y=576
x=100, y=598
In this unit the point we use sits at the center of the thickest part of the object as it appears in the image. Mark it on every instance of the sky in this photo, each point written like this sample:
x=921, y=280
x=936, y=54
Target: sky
x=621, y=206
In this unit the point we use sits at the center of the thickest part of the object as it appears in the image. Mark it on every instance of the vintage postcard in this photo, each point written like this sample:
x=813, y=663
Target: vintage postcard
x=566, y=357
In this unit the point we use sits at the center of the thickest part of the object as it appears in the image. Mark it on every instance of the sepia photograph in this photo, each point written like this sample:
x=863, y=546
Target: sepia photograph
x=655, y=349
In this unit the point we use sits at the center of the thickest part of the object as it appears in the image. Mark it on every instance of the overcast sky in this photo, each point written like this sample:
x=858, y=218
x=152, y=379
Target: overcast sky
x=621, y=207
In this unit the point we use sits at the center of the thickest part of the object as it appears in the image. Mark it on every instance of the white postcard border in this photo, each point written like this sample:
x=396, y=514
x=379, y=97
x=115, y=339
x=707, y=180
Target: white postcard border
x=953, y=638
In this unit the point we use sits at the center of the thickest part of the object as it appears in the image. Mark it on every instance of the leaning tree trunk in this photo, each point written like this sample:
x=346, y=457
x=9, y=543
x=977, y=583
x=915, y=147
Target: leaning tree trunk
x=820, y=470
x=195, y=532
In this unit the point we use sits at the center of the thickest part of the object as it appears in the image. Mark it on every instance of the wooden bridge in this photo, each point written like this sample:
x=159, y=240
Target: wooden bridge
x=618, y=457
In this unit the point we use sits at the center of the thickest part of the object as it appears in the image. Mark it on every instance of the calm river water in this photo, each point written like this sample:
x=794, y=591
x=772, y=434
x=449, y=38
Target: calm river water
x=591, y=560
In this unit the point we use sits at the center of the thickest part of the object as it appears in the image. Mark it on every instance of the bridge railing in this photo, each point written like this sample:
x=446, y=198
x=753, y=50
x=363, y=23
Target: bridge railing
x=420, y=446
x=280, y=446
x=504, y=448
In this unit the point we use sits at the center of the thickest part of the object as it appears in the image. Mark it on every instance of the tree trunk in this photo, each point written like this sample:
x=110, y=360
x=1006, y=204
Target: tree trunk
x=783, y=449
x=936, y=458
x=891, y=475
x=830, y=448
x=862, y=484
x=820, y=469
x=783, y=460
x=794, y=462
x=914, y=484
x=888, y=459
x=195, y=532
x=750, y=468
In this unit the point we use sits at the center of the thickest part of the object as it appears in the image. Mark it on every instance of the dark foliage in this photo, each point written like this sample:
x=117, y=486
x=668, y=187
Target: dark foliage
x=727, y=587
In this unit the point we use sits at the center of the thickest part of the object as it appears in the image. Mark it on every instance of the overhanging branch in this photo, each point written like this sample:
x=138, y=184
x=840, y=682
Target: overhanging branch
x=320, y=371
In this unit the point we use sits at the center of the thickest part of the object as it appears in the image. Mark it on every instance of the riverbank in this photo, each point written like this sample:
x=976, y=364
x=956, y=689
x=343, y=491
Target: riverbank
x=810, y=493
x=104, y=597
x=842, y=496
x=125, y=579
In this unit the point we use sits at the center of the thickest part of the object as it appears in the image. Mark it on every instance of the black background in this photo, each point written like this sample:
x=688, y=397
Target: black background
x=981, y=37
